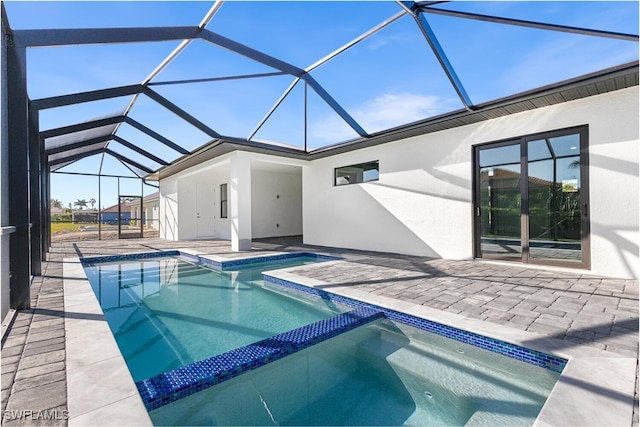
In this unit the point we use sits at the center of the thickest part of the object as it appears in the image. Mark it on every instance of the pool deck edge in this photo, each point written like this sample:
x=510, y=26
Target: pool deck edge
x=99, y=383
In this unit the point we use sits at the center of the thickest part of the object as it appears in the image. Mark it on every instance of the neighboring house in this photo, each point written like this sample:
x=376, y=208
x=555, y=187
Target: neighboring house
x=110, y=214
x=424, y=189
x=150, y=210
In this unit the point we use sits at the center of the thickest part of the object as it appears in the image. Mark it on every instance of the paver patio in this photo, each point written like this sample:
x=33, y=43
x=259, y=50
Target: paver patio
x=577, y=308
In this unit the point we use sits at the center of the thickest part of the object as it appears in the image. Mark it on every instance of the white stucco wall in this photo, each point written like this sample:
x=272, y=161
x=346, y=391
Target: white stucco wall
x=270, y=215
x=422, y=203
x=169, y=209
x=187, y=189
x=276, y=203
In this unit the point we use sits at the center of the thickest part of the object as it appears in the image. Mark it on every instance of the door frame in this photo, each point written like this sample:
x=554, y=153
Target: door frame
x=585, y=227
x=214, y=212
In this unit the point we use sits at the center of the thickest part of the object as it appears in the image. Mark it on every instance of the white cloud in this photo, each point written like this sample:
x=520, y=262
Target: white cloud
x=383, y=112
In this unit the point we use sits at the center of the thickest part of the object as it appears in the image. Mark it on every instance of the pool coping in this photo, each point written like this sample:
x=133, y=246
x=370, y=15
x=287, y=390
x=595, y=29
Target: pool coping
x=595, y=388
x=100, y=389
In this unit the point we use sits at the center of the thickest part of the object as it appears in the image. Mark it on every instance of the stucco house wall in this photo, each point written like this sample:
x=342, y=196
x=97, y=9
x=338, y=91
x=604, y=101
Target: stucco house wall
x=276, y=195
x=276, y=203
x=169, y=209
x=422, y=202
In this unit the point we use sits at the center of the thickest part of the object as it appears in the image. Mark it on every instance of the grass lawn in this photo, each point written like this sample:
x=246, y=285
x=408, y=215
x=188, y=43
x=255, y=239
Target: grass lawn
x=57, y=227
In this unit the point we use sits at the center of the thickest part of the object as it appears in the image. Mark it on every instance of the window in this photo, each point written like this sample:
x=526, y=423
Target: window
x=354, y=174
x=531, y=199
x=223, y=200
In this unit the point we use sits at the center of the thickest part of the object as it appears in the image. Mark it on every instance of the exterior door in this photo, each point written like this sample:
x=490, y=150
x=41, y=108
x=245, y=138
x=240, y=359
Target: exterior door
x=500, y=201
x=205, y=210
x=531, y=199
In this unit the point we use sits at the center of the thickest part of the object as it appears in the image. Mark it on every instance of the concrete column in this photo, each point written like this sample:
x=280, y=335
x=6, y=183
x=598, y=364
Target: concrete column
x=240, y=201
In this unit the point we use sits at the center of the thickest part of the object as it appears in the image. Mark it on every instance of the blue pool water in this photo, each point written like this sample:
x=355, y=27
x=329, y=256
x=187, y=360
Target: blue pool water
x=167, y=312
x=380, y=374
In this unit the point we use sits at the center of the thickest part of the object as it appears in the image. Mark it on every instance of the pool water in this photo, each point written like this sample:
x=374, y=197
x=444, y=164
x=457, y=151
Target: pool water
x=167, y=312
x=379, y=374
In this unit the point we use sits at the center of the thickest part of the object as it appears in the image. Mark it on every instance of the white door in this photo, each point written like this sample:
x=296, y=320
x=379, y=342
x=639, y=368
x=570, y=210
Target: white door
x=205, y=209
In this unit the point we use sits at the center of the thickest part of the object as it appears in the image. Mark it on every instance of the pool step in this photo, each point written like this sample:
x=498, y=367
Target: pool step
x=184, y=381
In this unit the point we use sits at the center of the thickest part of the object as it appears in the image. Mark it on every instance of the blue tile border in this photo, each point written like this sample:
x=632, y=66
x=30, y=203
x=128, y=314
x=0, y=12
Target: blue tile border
x=243, y=262
x=273, y=258
x=128, y=257
x=184, y=381
x=544, y=360
x=218, y=265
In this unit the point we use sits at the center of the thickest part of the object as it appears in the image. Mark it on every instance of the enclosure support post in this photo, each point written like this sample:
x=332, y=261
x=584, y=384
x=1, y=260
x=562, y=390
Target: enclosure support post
x=18, y=152
x=35, y=202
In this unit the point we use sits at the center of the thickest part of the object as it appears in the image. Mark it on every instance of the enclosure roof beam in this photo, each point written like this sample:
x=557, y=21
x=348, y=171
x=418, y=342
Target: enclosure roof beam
x=438, y=51
x=532, y=24
x=82, y=36
x=155, y=135
x=218, y=79
x=139, y=150
x=207, y=18
x=251, y=53
x=285, y=67
x=81, y=126
x=126, y=160
x=357, y=40
x=334, y=105
x=98, y=174
x=129, y=167
x=273, y=109
x=179, y=112
x=79, y=144
x=76, y=156
x=80, y=97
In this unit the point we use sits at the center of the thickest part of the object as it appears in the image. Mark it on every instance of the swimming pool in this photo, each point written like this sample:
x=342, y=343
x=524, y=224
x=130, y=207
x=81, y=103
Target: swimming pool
x=418, y=377
x=170, y=312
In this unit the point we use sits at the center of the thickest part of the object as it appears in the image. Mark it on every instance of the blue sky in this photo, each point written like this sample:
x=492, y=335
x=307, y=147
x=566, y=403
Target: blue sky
x=387, y=80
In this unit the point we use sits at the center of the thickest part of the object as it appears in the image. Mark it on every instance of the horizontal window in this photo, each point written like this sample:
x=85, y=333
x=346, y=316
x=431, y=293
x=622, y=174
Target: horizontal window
x=363, y=172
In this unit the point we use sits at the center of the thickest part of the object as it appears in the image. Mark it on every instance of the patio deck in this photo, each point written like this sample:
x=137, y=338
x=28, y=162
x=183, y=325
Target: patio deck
x=575, y=308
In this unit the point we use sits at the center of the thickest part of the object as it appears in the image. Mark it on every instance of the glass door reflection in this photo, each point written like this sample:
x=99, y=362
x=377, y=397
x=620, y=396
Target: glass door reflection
x=500, y=201
x=554, y=198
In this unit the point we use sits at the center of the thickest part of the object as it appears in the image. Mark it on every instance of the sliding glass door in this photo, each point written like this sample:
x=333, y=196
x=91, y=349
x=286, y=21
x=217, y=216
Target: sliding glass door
x=531, y=199
x=500, y=201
